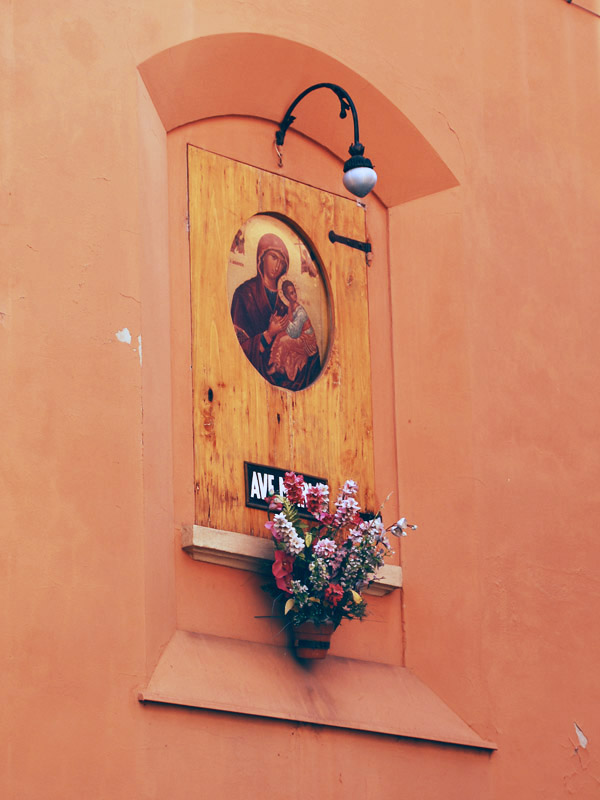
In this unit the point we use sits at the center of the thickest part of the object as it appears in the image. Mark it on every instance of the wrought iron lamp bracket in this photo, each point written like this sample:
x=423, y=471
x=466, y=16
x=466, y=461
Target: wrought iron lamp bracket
x=346, y=104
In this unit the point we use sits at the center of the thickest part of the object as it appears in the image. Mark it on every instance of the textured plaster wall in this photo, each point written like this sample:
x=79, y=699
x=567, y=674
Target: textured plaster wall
x=497, y=422
x=494, y=293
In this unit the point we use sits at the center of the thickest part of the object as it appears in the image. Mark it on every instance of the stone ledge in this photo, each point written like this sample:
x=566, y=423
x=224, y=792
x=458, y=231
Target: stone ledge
x=212, y=672
x=238, y=550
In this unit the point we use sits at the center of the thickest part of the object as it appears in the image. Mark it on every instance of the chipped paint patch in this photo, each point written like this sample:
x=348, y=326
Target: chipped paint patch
x=124, y=335
x=140, y=348
x=583, y=741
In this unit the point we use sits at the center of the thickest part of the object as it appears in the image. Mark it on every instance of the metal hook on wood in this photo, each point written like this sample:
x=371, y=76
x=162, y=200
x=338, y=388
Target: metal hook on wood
x=279, y=154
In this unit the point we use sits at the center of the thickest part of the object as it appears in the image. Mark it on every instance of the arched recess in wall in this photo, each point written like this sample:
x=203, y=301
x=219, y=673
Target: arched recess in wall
x=209, y=81
x=242, y=74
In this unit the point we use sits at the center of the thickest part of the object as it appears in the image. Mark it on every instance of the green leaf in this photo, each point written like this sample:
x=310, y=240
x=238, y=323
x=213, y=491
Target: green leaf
x=356, y=597
x=308, y=540
x=289, y=605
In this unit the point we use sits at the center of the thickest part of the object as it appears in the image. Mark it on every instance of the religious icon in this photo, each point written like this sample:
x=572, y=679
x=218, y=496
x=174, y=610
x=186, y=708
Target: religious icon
x=279, y=304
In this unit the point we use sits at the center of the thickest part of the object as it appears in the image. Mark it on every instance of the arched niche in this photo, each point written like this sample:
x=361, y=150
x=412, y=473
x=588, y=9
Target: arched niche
x=224, y=93
x=257, y=75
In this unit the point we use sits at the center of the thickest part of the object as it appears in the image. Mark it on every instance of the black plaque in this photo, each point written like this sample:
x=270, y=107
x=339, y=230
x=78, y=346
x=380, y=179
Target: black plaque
x=263, y=481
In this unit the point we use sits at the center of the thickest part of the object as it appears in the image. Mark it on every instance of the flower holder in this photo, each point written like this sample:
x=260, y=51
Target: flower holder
x=312, y=641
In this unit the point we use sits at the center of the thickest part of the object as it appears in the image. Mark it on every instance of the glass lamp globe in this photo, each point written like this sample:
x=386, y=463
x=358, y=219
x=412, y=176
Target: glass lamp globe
x=360, y=180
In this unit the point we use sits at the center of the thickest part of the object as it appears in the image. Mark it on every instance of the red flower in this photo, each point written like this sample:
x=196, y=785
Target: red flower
x=333, y=594
x=275, y=503
x=294, y=485
x=282, y=568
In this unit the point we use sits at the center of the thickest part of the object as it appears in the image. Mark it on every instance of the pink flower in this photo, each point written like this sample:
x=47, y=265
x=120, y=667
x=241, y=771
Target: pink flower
x=346, y=511
x=355, y=535
x=275, y=528
x=325, y=548
x=281, y=528
x=282, y=569
x=317, y=498
x=333, y=594
x=350, y=488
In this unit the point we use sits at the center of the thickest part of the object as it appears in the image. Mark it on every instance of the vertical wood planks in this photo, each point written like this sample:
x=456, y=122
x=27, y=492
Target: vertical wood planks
x=323, y=430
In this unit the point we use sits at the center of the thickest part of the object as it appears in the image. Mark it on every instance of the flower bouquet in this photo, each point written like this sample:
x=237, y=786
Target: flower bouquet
x=324, y=560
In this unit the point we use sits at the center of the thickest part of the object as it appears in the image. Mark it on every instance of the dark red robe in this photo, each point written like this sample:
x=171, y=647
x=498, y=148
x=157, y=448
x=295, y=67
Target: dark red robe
x=251, y=312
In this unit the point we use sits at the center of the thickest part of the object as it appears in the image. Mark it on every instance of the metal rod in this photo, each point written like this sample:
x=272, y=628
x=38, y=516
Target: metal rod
x=583, y=8
x=364, y=246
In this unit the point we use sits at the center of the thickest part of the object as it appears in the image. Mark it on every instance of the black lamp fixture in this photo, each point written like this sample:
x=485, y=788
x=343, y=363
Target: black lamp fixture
x=359, y=175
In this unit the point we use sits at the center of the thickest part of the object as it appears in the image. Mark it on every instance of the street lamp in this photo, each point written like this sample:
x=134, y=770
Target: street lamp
x=359, y=175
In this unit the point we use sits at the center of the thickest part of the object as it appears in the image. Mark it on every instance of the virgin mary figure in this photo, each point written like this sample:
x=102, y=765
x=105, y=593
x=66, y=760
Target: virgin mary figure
x=259, y=315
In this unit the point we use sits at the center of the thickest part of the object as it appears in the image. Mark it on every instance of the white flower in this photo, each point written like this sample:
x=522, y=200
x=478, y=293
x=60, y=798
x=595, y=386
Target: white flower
x=294, y=544
x=282, y=526
x=401, y=527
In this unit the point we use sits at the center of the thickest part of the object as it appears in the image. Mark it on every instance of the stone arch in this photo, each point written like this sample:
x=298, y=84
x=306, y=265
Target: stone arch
x=257, y=75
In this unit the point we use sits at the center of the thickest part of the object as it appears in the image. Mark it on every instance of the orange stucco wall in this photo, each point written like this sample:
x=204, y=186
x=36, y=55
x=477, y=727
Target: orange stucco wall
x=484, y=119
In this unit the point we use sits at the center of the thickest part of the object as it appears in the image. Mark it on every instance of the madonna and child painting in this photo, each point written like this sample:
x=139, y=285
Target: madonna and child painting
x=278, y=303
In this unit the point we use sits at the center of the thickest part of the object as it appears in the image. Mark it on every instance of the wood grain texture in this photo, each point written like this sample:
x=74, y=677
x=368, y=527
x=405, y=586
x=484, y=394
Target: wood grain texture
x=325, y=429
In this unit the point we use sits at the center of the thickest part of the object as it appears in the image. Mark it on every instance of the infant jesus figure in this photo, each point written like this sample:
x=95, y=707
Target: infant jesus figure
x=296, y=345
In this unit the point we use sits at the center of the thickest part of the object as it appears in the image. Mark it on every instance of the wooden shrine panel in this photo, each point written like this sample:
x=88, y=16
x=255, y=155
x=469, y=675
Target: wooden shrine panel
x=324, y=429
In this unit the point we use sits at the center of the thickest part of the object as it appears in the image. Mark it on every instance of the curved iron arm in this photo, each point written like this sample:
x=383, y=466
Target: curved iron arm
x=346, y=104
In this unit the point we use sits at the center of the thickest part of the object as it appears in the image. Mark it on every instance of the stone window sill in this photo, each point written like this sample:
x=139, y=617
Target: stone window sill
x=254, y=554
